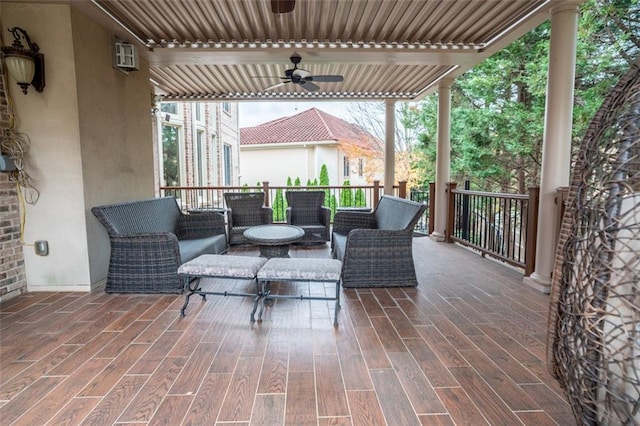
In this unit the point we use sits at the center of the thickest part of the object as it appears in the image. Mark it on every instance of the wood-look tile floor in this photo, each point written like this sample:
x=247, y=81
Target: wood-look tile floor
x=467, y=346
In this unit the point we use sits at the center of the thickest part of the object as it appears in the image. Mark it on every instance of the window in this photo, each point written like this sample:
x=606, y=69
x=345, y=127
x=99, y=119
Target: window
x=199, y=160
x=198, y=107
x=345, y=166
x=226, y=107
x=361, y=167
x=171, y=155
x=227, y=165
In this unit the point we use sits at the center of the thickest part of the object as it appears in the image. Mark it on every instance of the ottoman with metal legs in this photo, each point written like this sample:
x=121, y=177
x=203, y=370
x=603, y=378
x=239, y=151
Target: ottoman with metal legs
x=300, y=269
x=220, y=266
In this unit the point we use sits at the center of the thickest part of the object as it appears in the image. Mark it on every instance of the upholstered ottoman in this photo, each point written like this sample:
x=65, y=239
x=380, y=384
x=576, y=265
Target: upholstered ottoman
x=300, y=269
x=220, y=266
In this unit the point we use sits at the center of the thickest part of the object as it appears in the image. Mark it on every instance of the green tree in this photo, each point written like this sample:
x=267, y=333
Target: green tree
x=297, y=182
x=360, y=199
x=498, y=106
x=346, y=195
x=332, y=205
x=289, y=181
x=170, y=155
x=279, y=207
x=324, y=181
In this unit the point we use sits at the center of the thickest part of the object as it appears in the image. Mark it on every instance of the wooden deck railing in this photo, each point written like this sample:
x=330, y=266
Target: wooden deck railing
x=500, y=225
x=211, y=197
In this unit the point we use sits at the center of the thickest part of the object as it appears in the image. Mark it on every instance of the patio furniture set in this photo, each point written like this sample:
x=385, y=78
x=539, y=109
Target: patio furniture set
x=155, y=248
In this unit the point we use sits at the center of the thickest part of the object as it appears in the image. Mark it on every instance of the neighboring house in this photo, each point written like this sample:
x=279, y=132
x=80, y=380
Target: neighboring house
x=199, y=144
x=298, y=146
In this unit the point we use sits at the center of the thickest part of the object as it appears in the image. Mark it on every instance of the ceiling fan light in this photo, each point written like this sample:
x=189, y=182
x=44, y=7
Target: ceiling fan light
x=300, y=73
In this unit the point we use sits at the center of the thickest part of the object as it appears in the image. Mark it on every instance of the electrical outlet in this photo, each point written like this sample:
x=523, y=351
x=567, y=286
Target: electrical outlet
x=7, y=164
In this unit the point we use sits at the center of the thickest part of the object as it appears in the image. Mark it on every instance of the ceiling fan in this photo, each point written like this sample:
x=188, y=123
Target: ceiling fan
x=303, y=77
x=282, y=6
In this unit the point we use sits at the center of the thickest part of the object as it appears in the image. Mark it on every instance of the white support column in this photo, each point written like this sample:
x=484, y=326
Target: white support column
x=556, y=148
x=389, y=145
x=443, y=160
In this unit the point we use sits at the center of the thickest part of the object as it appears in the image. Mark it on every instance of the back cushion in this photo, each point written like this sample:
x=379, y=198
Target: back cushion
x=395, y=214
x=146, y=216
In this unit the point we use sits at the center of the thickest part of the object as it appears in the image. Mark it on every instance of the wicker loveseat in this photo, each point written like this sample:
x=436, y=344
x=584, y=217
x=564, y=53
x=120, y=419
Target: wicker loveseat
x=376, y=248
x=151, y=238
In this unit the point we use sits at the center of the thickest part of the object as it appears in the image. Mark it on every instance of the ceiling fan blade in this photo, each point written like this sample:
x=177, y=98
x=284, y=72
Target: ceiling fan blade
x=309, y=86
x=282, y=6
x=273, y=86
x=325, y=78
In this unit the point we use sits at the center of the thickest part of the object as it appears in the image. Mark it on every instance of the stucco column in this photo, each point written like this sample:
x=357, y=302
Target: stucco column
x=443, y=159
x=556, y=148
x=389, y=145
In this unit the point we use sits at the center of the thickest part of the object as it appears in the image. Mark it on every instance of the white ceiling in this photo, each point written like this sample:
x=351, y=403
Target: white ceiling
x=385, y=49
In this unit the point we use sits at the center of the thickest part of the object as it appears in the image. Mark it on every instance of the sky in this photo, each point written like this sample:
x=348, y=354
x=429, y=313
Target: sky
x=256, y=113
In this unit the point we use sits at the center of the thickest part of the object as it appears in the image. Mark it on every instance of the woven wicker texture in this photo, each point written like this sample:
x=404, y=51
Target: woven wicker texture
x=244, y=210
x=594, y=318
x=374, y=257
x=305, y=210
x=151, y=238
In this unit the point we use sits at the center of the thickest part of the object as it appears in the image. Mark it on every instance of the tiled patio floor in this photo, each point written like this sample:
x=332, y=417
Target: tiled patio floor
x=467, y=346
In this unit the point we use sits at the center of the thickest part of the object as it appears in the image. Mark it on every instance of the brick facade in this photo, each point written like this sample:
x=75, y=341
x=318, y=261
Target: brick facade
x=12, y=273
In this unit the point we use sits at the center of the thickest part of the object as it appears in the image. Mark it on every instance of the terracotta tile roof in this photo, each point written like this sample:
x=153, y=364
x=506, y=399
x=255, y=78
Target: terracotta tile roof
x=312, y=125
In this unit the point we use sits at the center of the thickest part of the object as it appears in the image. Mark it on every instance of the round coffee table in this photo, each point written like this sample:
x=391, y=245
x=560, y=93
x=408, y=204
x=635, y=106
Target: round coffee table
x=274, y=240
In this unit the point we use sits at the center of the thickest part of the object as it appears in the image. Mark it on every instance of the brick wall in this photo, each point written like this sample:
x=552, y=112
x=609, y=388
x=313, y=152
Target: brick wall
x=12, y=275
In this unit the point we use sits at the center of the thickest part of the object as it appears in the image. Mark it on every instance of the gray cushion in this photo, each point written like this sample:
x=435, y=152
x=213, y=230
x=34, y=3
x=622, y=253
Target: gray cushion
x=222, y=266
x=301, y=269
x=339, y=244
x=190, y=249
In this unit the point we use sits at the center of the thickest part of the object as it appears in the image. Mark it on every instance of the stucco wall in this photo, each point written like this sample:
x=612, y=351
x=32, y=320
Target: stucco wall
x=90, y=132
x=275, y=164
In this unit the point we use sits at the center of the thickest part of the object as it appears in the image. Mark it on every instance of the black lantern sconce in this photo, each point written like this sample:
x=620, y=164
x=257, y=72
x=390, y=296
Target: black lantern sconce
x=24, y=64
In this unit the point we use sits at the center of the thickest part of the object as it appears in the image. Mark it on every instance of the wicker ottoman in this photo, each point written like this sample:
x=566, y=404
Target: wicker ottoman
x=220, y=266
x=300, y=269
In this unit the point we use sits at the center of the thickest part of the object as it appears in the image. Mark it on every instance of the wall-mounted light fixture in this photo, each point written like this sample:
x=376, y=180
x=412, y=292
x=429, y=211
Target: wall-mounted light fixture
x=24, y=64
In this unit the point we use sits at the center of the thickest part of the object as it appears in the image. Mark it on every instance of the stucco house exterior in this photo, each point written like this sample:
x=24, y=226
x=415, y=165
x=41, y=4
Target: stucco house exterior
x=297, y=146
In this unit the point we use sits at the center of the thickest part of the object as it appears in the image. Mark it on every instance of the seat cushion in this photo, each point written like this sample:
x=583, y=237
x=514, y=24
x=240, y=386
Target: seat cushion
x=339, y=244
x=301, y=269
x=223, y=266
x=190, y=249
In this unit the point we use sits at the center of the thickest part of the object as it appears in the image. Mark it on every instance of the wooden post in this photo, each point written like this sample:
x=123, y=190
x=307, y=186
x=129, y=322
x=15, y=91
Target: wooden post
x=376, y=193
x=432, y=207
x=532, y=231
x=402, y=189
x=265, y=188
x=451, y=211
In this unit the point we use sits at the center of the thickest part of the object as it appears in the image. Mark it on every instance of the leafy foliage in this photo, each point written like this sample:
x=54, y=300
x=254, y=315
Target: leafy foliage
x=360, y=200
x=279, y=207
x=346, y=195
x=498, y=107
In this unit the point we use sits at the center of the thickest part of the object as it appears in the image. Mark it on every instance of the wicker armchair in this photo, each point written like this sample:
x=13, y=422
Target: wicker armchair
x=244, y=210
x=376, y=248
x=305, y=210
x=151, y=238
